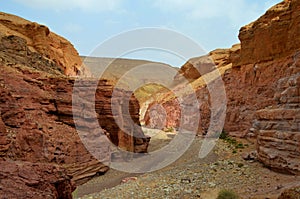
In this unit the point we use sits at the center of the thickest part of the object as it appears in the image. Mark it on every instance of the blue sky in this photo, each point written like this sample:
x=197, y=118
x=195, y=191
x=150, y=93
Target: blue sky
x=87, y=23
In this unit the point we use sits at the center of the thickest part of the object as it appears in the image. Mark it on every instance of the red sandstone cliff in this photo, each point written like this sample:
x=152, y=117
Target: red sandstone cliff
x=41, y=152
x=269, y=51
x=278, y=128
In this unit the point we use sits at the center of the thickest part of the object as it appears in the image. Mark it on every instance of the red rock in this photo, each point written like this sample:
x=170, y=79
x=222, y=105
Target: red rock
x=279, y=132
x=278, y=114
x=39, y=38
x=261, y=79
x=34, y=180
x=37, y=126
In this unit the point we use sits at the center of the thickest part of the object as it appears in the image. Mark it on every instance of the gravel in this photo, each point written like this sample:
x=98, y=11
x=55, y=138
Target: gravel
x=191, y=177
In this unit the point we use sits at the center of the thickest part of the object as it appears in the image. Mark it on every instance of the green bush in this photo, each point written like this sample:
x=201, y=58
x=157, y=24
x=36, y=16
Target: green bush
x=232, y=141
x=240, y=146
x=223, y=135
x=227, y=194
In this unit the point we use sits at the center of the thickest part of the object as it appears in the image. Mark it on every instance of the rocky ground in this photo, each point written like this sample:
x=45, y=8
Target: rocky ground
x=191, y=177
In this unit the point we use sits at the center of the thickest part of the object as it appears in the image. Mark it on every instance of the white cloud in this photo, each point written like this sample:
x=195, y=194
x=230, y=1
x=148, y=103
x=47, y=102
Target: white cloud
x=236, y=11
x=83, y=5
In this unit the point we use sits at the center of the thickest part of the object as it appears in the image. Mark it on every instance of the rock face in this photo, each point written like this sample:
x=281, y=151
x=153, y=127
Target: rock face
x=278, y=128
x=167, y=103
x=250, y=83
x=38, y=138
x=272, y=36
x=40, y=39
x=269, y=51
x=33, y=180
x=215, y=59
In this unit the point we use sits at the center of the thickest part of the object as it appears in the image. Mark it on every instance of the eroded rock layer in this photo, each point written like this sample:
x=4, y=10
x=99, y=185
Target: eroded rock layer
x=34, y=180
x=269, y=51
x=37, y=126
x=40, y=39
x=250, y=84
x=279, y=128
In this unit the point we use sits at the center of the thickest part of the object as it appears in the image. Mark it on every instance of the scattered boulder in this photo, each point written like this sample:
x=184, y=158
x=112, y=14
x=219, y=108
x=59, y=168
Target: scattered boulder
x=251, y=156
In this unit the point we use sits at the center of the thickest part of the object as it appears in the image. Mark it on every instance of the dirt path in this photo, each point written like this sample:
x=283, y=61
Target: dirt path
x=191, y=177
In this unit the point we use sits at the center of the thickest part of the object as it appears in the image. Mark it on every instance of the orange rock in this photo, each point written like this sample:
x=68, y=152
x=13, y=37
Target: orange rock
x=273, y=35
x=40, y=39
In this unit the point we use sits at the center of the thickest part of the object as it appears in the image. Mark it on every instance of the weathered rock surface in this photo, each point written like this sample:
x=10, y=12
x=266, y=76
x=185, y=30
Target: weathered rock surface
x=37, y=126
x=273, y=35
x=250, y=85
x=37, y=113
x=38, y=38
x=199, y=66
x=34, y=180
x=269, y=51
x=279, y=128
x=34, y=128
x=168, y=104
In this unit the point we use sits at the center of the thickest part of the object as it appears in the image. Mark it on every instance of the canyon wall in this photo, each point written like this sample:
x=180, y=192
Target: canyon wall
x=249, y=70
x=41, y=151
x=269, y=51
x=278, y=128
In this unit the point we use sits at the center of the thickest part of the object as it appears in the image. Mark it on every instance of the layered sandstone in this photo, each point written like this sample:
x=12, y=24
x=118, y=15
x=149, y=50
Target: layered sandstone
x=250, y=83
x=203, y=78
x=40, y=39
x=37, y=126
x=273, y=35
x=199, y=66
x=278, y=128
x=269, y=51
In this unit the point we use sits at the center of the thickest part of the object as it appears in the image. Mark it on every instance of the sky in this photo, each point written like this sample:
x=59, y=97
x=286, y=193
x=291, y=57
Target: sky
x=88, y=23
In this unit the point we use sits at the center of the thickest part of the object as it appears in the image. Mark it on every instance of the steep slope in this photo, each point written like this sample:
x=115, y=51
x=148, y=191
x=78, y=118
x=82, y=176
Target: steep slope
x=279, y=128
x=41, y=40
x=41, y=151
x=269, y=51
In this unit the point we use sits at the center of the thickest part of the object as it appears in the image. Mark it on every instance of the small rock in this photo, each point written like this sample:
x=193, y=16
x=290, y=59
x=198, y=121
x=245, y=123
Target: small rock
x=250, y=156
x=185, y=180
x=125, y=180
x=252, y=129
x=188, y=191
x=211, y=184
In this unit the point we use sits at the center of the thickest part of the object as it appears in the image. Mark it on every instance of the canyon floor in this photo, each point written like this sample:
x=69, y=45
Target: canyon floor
x=191, y=177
